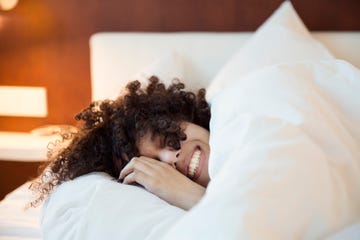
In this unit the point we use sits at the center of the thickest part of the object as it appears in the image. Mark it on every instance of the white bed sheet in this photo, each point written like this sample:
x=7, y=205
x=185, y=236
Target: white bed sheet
x=17, y=223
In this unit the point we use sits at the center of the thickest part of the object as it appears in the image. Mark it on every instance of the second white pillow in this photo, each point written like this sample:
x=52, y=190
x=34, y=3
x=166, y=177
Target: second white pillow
x=282, y=38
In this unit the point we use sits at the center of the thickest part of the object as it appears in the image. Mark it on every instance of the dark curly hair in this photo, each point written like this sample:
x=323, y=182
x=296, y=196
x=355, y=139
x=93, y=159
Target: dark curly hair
x=107, y=138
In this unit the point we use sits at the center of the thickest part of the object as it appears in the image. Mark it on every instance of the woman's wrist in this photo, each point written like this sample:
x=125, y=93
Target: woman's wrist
x=190, y=196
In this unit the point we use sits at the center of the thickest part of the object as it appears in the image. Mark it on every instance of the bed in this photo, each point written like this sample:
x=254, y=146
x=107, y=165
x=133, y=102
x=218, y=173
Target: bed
x=285, y=101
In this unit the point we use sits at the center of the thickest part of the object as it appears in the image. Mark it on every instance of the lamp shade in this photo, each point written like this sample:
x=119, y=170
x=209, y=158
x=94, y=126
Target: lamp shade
x=8, y=4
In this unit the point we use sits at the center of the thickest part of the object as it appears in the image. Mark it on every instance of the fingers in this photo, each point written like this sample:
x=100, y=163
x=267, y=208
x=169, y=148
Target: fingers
x=129, y=168
x=143, y=164
x=135, y=177
x=142, y=170
x=152, y=174
x=163, y=180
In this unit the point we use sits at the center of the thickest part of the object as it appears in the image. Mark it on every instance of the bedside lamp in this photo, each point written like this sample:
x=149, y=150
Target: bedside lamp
x=7, y=4
x=23, y=101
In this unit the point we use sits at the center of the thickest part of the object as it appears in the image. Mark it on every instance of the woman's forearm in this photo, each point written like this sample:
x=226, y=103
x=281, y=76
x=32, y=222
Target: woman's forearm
x=189, y=196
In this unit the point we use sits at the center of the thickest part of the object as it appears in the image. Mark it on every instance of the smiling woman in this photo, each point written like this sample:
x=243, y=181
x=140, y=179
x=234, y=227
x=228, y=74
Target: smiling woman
x=155, y=168
x=155, y=136
x=192, y=157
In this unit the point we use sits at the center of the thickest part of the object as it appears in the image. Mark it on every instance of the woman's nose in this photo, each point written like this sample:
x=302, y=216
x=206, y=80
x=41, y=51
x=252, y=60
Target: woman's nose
x=170, y=156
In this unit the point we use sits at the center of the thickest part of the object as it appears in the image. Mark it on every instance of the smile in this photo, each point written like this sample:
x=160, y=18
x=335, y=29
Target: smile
x=194, y=163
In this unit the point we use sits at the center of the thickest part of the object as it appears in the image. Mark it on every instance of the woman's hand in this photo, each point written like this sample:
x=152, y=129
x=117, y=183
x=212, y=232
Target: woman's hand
x=163, y=180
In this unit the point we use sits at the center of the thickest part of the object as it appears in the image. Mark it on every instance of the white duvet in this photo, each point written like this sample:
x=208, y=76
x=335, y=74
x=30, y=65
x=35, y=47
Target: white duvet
x=285, y=156
x=17, y=222
x=285, y=164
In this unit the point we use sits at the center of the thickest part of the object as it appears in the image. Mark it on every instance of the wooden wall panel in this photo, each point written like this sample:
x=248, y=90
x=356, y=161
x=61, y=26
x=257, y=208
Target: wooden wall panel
x=45, y=42
x=21, y=172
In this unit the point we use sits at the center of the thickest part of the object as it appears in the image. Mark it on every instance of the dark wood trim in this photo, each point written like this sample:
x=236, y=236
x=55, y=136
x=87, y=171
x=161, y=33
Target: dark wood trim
x=14, y=174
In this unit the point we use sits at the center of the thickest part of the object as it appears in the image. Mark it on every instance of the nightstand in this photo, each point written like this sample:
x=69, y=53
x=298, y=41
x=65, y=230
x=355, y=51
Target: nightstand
x=21, y=154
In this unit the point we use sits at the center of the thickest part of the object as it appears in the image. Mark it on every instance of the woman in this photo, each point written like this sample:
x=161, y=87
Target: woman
x=157, y=137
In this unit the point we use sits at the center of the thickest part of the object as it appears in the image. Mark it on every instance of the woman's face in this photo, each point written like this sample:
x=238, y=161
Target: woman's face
x=191, y=159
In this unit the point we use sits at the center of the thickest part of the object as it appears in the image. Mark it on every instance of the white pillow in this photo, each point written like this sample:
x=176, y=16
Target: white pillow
x=282, y=38
x=96, y=207
x=167, y=68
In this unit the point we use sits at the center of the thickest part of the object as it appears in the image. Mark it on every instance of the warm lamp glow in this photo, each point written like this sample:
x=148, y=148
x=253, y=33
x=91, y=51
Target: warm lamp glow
x=8, y=4
x=23, y=101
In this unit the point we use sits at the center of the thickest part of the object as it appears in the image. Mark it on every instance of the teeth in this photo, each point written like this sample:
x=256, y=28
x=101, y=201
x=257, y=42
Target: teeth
x=194, y=163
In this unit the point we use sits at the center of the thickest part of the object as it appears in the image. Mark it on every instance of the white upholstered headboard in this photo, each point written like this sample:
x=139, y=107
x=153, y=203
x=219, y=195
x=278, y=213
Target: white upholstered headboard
x=116, y=57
